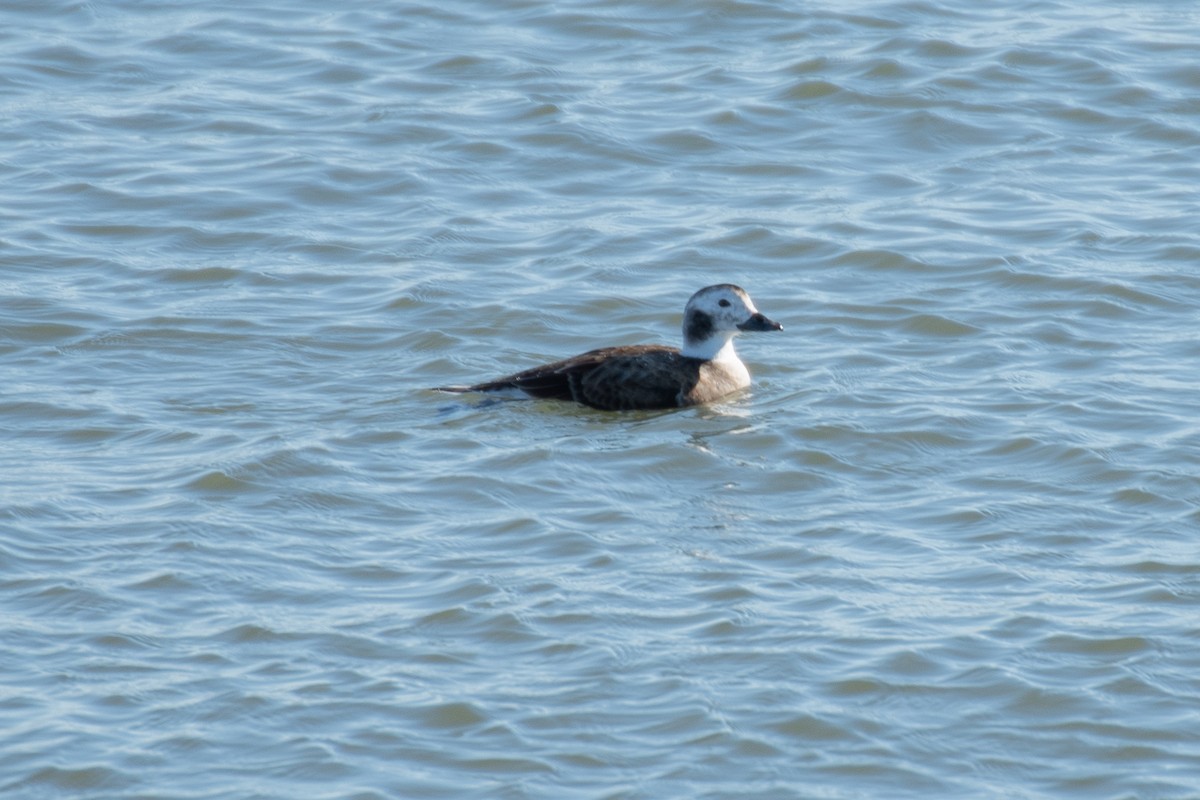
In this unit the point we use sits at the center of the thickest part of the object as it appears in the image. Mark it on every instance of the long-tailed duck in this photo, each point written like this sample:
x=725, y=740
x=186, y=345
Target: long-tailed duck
x=651, y=375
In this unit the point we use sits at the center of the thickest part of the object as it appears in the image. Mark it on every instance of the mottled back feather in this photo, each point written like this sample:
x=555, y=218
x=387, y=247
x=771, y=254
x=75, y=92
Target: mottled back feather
x=610, y=378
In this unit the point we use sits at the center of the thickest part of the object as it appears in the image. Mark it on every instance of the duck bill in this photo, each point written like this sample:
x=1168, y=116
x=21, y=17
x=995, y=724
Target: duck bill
x=760, y=323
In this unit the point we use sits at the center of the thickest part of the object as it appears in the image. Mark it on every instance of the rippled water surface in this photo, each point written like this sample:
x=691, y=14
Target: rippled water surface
x=946, y=546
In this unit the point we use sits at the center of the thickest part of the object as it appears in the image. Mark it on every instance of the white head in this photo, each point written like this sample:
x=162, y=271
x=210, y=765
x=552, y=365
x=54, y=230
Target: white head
x=714, y=315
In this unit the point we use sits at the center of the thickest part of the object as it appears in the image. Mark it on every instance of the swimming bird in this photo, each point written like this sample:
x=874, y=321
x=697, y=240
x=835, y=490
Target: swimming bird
x=645, y=376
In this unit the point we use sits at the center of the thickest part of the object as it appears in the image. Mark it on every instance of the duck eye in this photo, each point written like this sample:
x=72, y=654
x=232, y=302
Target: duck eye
x=723, y=304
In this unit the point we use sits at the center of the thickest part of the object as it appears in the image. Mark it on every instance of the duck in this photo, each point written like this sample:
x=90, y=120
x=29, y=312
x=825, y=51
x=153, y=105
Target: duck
x=652, y=376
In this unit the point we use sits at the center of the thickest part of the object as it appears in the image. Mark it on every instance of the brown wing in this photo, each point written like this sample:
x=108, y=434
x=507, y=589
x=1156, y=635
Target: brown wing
x=660, y=378
x=611, y=378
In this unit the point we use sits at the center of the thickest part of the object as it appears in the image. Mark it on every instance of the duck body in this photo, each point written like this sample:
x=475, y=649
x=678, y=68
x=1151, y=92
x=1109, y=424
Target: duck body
x=652, y=376
x=627, y=378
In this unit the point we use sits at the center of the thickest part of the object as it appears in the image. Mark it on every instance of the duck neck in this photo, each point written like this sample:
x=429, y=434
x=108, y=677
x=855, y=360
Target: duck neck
x=715, y=348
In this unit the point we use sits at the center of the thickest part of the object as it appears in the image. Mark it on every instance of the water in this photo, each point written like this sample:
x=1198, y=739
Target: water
x=945, y=547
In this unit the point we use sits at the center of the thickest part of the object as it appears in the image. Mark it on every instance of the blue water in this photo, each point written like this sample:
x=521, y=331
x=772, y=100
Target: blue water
x=945, y=546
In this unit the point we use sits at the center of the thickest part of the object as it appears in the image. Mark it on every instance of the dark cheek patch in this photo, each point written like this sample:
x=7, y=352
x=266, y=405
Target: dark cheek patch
x=699, y=326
